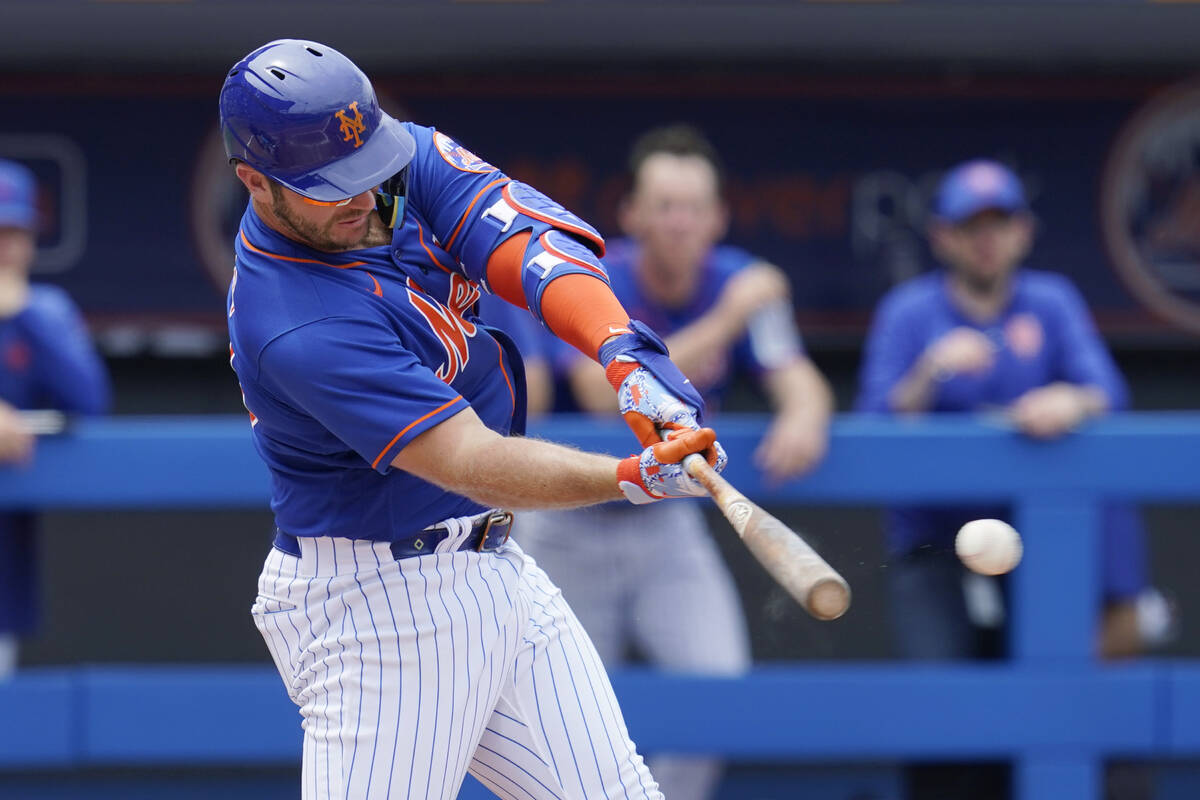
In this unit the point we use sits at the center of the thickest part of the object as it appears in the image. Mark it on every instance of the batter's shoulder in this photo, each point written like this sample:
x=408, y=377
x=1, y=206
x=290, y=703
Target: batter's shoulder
x=270, y=303
x=438, y=151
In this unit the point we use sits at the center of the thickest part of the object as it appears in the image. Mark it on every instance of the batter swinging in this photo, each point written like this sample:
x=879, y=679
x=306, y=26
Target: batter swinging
x=418, y=640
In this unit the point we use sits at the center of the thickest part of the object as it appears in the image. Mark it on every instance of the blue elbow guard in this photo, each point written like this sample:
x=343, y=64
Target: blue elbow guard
x=519, y=208
x=550, y=256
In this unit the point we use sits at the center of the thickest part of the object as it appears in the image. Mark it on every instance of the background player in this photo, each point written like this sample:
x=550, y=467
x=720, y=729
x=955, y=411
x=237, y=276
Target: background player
x=652, y=578
x=46, y=362
x=419, y=641
x=986, y=334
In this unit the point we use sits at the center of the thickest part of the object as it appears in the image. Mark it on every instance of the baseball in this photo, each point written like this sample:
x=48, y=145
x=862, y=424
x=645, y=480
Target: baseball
x=988, y=546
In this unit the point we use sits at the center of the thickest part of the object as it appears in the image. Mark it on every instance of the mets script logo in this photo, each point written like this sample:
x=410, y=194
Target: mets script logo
x=351, y=127
x=448, y=324
x=1150, y=200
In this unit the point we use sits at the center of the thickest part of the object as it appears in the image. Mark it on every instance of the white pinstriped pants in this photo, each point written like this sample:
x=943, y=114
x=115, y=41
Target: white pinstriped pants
x=649, y=577
x=410, y=673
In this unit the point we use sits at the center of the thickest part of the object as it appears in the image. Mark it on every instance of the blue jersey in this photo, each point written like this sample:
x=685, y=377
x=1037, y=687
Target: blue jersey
x=46, y=361
x=1044, y=335
x=47, y=357
x=344, y=358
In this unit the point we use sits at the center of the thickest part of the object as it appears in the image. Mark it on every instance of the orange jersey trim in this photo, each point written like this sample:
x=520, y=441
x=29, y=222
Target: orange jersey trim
x=421, y=239
x=293, y=259
x=467, y=213
x=410, y=426
x=504, y=372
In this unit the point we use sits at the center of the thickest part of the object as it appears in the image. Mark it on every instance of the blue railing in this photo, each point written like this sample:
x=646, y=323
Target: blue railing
x=1052, y=709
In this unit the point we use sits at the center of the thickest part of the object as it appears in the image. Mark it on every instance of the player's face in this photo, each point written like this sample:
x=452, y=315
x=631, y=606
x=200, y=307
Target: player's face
x=16, y=249
x=675, y=213
x=984, y=249
x=330, y=228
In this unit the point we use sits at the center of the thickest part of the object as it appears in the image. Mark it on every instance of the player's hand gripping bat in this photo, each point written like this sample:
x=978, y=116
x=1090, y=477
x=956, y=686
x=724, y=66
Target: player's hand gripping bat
x=791, y=562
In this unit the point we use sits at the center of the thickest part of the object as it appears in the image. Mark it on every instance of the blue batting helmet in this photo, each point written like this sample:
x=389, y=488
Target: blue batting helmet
x=306, y=116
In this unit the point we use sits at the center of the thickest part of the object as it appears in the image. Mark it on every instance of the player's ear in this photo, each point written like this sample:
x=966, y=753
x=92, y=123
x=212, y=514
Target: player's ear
x=257, y=184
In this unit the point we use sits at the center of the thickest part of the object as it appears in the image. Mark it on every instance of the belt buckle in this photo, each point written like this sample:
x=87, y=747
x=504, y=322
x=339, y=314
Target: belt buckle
x=504, y=518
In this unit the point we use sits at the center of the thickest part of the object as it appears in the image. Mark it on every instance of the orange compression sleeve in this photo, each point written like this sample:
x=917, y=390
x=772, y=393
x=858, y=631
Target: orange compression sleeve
x=580, y=309
x=583, y=312
x=504, y=269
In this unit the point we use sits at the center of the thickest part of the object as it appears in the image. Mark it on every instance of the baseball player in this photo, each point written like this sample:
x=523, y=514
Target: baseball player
x=417, y=639
x=987, y=334
x=46, y=362
x=669, y=596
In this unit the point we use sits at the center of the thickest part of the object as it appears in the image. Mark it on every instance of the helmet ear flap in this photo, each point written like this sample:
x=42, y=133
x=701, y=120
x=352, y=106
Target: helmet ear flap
x=389, y=200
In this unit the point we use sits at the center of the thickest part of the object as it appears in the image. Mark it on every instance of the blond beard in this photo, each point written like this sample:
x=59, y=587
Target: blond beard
x=376, y=235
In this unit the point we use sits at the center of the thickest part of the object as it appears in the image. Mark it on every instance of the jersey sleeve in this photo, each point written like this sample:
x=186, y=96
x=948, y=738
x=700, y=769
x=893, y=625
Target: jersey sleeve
x=475, y=211
x=70, y=374
x=1084, y=358
x=892, y=347
x=452, y=186
x=357, y=380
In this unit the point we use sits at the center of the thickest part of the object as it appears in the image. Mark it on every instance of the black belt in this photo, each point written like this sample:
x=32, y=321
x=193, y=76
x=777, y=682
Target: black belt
x=487, y=534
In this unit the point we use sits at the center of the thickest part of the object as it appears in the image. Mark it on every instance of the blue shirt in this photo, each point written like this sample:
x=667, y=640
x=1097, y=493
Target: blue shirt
x=344, y=358
x=47, y=359
x=46, y=362
x=1043, y=335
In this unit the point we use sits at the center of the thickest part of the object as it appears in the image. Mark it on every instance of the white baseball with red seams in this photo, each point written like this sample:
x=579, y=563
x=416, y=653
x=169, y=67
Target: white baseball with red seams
x=989, y=546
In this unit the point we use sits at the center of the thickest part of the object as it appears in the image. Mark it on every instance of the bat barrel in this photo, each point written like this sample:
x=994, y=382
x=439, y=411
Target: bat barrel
x=828, y=598
x=802, y=572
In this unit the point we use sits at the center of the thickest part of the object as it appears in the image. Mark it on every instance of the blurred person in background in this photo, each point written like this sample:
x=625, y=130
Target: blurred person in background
x=46, y=362
x=669, y=596
x=984, y=334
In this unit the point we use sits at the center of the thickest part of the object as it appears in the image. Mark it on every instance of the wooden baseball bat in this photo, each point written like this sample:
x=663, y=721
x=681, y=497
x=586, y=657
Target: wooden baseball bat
x=798, y=569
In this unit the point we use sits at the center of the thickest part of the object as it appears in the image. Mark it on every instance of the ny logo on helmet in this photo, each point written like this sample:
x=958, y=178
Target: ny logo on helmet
x=351, y=126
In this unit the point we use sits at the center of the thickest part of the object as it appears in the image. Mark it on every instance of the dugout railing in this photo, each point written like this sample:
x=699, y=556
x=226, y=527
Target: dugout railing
x=1053, y=709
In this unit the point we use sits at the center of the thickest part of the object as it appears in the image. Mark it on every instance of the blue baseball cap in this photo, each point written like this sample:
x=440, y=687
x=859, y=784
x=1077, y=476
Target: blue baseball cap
x=18, y=188
x=978, y=185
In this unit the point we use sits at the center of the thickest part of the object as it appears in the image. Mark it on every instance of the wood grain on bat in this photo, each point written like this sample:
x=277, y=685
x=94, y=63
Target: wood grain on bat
x=785, y=555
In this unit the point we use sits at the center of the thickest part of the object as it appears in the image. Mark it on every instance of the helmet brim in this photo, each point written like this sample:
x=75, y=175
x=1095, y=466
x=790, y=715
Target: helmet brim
x=383, y=155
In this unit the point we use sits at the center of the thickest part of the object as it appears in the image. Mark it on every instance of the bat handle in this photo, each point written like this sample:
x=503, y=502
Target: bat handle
x=722, y=491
